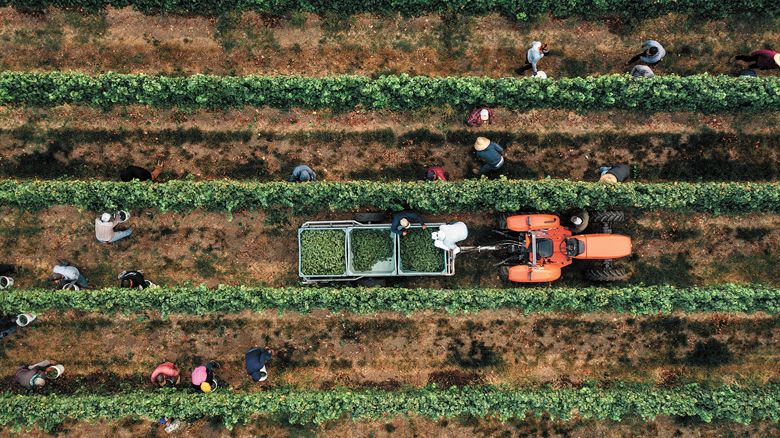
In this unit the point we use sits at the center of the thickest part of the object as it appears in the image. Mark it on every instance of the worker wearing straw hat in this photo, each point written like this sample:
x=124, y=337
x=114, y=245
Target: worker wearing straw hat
x=761, y=59
x=614, y=174
x=491, y=155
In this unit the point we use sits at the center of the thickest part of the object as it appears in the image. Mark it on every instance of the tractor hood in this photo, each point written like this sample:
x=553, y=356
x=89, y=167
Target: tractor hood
x=604, y=246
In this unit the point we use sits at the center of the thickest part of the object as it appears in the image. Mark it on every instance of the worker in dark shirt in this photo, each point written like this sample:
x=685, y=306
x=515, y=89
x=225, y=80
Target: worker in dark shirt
x=133, y=280
x=134, y=172
x=256, y=360
x=7, y=325
x=614, y=174
x=491, y=155
x=403, y=220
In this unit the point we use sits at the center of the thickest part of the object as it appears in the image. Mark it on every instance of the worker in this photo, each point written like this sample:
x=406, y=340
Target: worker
x=8, y=325
x=130, y=173
x=105, y=224
x=436, y=173
x=448, y=235
x=203, y=377
x=302, y=173
x=35, y=376
x=68, y=277
x=256, y=360
x=134, y=280
x=761, y=59
x=491, y=155
x=403, y=220
x=480, y=116
x=652, y=53
x=533, y=56
x=166, y=374
x=614, y=174
x=642, y=71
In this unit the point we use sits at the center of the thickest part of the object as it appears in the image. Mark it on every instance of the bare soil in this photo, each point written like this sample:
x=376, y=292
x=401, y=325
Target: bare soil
x=321, y=350
x=261, y=248
x=421, y=427
x=128, y=41
x=267, y=144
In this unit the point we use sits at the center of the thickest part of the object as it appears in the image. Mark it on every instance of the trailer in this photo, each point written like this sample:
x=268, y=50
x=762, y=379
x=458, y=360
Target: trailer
x=393, y=262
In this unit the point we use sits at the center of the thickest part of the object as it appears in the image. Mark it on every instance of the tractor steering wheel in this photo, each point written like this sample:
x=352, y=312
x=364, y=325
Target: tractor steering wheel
x=563, y=248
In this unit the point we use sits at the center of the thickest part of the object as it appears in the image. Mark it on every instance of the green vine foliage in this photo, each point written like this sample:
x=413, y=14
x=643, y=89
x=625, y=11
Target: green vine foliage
x=322, y=252
x=418, y=253
x=369, y=247
x=614, y=402
x=641, y=300
x=699, y=93
x=498, y=195
x=520, y=10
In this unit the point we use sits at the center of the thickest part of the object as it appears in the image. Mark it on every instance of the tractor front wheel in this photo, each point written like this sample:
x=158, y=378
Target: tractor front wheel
x=606, y=274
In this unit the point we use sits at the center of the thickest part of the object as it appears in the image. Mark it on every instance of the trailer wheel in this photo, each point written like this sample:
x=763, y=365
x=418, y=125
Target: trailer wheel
x=372, y=282
x=608, y=217
x=606, y=274
x=372, y=217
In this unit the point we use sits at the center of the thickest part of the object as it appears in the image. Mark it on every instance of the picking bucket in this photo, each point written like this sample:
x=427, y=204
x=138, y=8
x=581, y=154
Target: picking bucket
x=54, y=371
x=24, y=319
x=123, y=215
x=6, y=282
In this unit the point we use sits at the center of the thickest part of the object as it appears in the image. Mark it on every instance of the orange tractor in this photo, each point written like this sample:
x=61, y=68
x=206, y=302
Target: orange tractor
x=539, y=247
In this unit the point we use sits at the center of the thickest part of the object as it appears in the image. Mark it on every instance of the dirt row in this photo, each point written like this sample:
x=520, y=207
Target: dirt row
x=266, y=144
x=384, y=155
x=424, y=428
x=127, y=41
x=322, y=350
x=261, y=248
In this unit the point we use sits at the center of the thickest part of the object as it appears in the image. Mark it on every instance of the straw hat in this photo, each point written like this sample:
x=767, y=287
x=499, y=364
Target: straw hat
x=608, y=178
x=777, y=58
x=38, y=381
x=404, y=222
x=481, y=144
x=205, y=387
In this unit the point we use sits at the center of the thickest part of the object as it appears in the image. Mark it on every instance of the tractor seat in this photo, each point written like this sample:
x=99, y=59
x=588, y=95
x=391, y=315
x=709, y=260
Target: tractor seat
x=574, y=247
x=544, y=248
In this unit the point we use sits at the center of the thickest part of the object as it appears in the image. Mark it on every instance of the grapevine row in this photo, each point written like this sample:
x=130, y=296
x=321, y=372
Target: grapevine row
x=641, y=300
x=500, y=195
x=700, y=93
x=724, y=403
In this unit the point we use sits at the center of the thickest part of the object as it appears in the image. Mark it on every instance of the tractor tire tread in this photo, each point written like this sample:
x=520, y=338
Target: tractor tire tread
x=607, y=274
x=608, y=217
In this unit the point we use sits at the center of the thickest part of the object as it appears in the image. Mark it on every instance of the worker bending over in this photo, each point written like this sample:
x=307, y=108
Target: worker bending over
x=449, y=235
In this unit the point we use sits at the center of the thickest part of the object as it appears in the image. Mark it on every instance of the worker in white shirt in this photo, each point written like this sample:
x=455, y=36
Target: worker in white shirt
x=449, y=235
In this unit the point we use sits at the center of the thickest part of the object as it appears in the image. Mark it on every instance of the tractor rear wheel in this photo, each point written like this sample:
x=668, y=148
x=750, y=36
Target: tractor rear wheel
x=608, y=217
x=371, y=217
x=607, y=274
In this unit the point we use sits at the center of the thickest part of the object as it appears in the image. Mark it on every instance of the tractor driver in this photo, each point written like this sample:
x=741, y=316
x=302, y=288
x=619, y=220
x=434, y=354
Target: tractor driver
x=450, y=234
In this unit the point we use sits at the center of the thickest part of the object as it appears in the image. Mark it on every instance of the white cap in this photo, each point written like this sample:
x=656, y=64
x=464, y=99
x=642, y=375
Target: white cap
x=105, y=217
x=541, y=75
x=484, y=115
